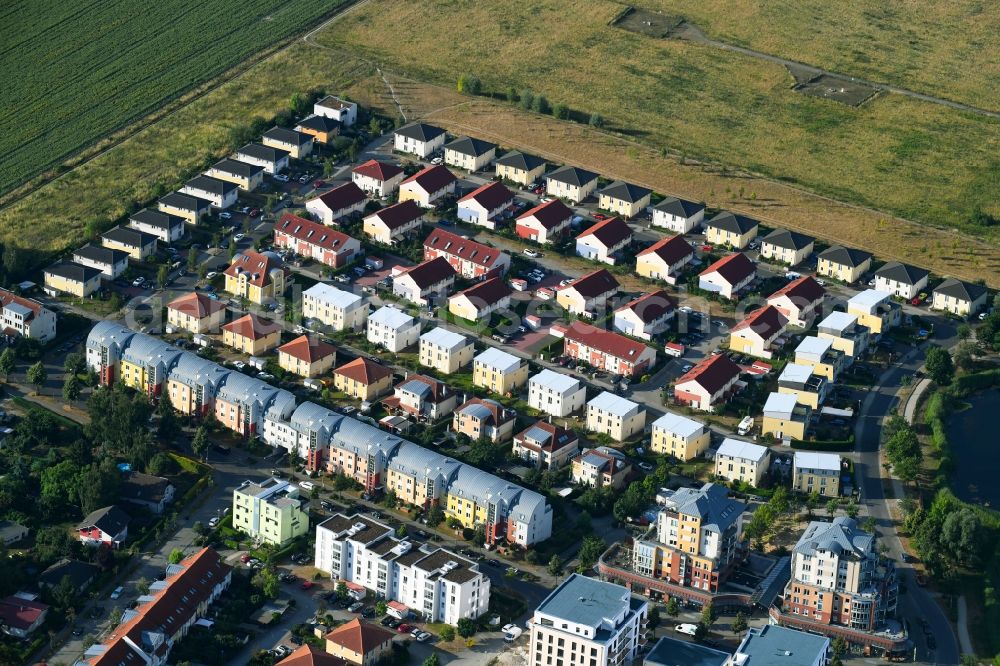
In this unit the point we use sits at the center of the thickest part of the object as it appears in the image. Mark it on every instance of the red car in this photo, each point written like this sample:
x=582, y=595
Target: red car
x=255, y=212
x=404, y=628
x=600, y=217
x=318, y=183
x=706, y=248
x=244, y=558
x=307, y=584
x=539, y=189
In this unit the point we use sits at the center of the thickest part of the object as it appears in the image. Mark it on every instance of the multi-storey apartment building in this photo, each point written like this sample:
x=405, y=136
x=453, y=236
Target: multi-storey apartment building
x=271, y=511
x=26, y=317
x=445, y=351
x=679, y=436
x=555, y=393
x=340, y=310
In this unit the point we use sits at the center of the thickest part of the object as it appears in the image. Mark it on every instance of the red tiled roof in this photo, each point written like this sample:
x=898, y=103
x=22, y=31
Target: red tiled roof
x=251, y=326
x=608, y=342
x=490, y=196
x=670, y=250
x=378, y=170
x=398, y=215
x=486, y=293
x=595, y=283
x=430, y=272
x=550, y=214
x=498, y=412
x=765, y=322
x=258, y=264
x=558, y=437
x=432, y=179
x=650, y=307
x=343, y=196
x=307, y=655
x=196, y=304
x=7, y=297
x=734, y=268
x=311, y=232
x=463, y=248
x=305, y=349
x=359, y=637
x=363, y=370
x=20, y=613
x=804, y=289
x=610, y=232
x=711, y=373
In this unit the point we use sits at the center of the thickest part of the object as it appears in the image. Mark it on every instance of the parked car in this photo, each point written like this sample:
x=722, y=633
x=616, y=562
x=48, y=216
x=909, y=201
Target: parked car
x=356, y=607
x=138, y=282
x=254, y=212
x=281, y=178
x=687, y=628
x=225, y=215
x=404, y=628
x=117, y=593
x=532, y=253
x=307, y=485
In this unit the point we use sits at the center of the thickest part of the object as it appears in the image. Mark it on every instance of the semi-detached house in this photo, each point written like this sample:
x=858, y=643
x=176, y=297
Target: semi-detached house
x=843, y=263
x=379, y=179
x=222, y=194
x=469, y=154
x=428, y=187
x=646, y=316
x=137, y=244
x=709, y=383
x=313, y=240
x=604, y=241
x=470, y=259
x=664, y=259
x=800, y=301
x=728, y=276
x=678, y=215
x=759, y=333
x=343, y=201
x=624, y=199
x=481, y=300
x=545, y=223
x=110, y=262
x=901, y=280
x=587, y=293
x=607, y=351
x=322, y=129
x=26, y=317
x=419, y=139
x=166, y=227
x=571, y=183
x=484, y=205
x=190, y=209
x=787, y=247
x=394, y=223
x=247, y=177
x=425, y=281
x=520, y=168
x=296, y=144
x=68, y=277
x=272, y=160
x=959, y=298
x=731, y=229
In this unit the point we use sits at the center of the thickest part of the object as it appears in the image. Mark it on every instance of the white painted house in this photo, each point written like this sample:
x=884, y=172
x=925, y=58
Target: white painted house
x=556, y=394
x=392, y=329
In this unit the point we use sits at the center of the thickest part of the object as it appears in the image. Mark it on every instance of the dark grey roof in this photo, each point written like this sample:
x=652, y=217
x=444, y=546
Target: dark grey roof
x=237, y=168
x=79, y=573
x=965, y=291
x=845, y=256
x=73, y=271
x=130, y=237
x=679, y=207
x=672, y=652
x=319, y=123
x=110, y=520
x=183, y=201
x=212, y=185
x=259, y=151
x=572, y=175
x=468, y=146
x=733, y=222
x=790, y=240
x=420, y=131
x=625, y=191
x=158, y=219
x=102, y=255
x=902, y=273
x=711, y=503
x=285, y=135
x=519, y=160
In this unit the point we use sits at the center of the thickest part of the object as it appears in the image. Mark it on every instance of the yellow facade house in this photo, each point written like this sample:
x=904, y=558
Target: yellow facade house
x=843, y=263
x=270, y=511
x=730, y=229
x=251, y=335
x=499, y=371
x=256, y=276
x=306, y=357
x=196, y=313
x=785, y=417
x=71, y=278
x=816, y=473
x=520, y=168
x=363, y=379
x=680, y=437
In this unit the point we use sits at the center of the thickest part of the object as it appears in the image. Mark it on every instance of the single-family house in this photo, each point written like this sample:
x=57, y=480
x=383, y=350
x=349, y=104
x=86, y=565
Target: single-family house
x=731, y=229
x=152, y=492
x=107, y=525
x=196, y=313
x=110, y=262
x=256, y=276
x=425, y=281
x=588, y=293
x=814, y=472
x=787, y=247
x=221, y=194
x=296, y=144
x=273, y=160
x=340, y=310
x=801, y=381
x=737, y=460
x=166, y=227
x=394, y=223
x=137, y=244
x=875, y=309
x=480, y=300
x=423, y=397
x=821, y=355
x=190, y=209
x=322, y=129
x=800, y=301
x=545, y=223
x=571, y=183
x=709, y=383
x=602, y=467
x=445, y=351
x=520, y=168
x=307, y=357
x=469, y=154
x=392, y=329
x=469, y=258
x=664, y=259
x=757, y=335
x=360, y=643
x=80, y=574
x=21, y=615
x=678, y=215
x=556, y=394
x=624, y=199
x=315, y=241
x=484, y=205
x=26, y=317
x=606, y=350
x=680, y=437
x=428, y=187
x=12, y=532
x=646, y=316
x=843, y=263
x=959, y=298
x=343, y=201
x=343, y=111
x=251, y=335
x=546, y=446
x=901, y=280
x=482, y=418
x=785, y=416
x=363, y=379
x=71, y=278
x=604, y=241
x=379, y=179
x=614, y=416
x=728, y=276
x=309, y=655
x=419, y=139
x=247, y=177
x=845, y=332
x=499, y=371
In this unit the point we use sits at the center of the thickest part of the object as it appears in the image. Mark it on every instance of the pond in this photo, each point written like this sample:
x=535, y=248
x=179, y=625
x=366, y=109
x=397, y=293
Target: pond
x=974, y=442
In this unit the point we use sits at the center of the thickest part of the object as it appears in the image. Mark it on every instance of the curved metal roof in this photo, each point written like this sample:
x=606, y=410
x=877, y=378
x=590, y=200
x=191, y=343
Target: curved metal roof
x=417, y=461
x=309, y=417
x=108, y=334
x=150, y=351
x=239, y=388
x=194, y=370
x=361, y=438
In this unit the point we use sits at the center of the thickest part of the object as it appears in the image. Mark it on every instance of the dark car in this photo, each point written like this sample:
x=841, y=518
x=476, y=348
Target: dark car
x=223, y=449
x=368, y=613
x=494, y=563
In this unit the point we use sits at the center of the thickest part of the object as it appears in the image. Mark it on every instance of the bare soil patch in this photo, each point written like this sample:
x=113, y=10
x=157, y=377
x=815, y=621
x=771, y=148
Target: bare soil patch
x=646, y=22
x=834, y=88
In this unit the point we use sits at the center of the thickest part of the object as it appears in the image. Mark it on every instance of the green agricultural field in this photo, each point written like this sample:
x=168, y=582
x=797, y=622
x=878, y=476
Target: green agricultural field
x=75, y=71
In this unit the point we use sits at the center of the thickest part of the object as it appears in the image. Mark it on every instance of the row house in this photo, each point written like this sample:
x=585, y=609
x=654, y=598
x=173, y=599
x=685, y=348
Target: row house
x=820, y=354
x=608, y=351
x=470, y=259
x=379, y=179
x=395, y=223
x=785, y=417
x=678, y=215
x=546, y=223
x=344, y=201
x=315, y=241
x=604, y=241
x=428, y=187
x=800, y=380
x=193, y=384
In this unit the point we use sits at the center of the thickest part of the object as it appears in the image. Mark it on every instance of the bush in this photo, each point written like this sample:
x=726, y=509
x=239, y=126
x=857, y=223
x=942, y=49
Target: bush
x=596, y=120
x=824, y=445
x=447, y=634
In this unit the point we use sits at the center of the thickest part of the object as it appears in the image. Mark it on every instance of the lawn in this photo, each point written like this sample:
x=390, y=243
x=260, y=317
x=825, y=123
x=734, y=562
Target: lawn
x=918, y=160
x=75, y=71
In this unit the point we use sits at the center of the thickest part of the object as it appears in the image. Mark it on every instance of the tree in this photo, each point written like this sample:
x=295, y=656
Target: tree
x=176, y=555
x=432, y=660
x=700, y=631
x=939, y=366
x=7, y=362
x=75, y=364
x=964, y=331
x=555, y=565
x=838, y=647
x=115, y=617
x=852, y=509
x=632, y=502
x=512, y=94
x=812, y=501
x=447, y=633
x=466, y=627
x=869, y=525
x=381, y=607
x=708, y=615
x=596, y=120
x=832, y=505
x=37, y=375
x=71, y=388
x=740, y=623
x=64, y=593
x=266, y=580
x=540, y=104
x=192, y=260
x=168, y=427
x=654, y=617
x=199, y=443
x=963, y=354
x=142, y=586
x=162, y=275
x=560, y=111
x=963, y=531
x=590, y=551
x=526, y=99
x=673, y=607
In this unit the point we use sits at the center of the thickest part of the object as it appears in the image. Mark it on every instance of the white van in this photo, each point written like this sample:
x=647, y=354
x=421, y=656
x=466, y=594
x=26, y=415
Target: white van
x=745, y=426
